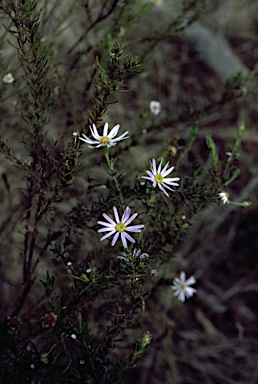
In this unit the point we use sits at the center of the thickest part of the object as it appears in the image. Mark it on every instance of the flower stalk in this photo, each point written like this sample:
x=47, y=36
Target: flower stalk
x=111, y=164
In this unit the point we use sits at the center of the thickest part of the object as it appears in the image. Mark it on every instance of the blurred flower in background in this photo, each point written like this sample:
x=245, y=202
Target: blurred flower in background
x=224, y=197
x=155, y=107
x=8, y=78
x=182, y=288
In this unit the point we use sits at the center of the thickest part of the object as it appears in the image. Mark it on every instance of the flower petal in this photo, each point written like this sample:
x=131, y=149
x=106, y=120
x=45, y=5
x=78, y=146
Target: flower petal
x=163, y=190
x=107, y=235
x=121, y=137
x=107, y=230
x=171, y=180
x=116, y=215
x=123, y=238
x=165, y=168
x=150, y=174
x=181, y=296
x=113, y=131
x=135, y=228
x=94, y=132
x=129, y=237
x=190, y=281
x=189, y=291
x=130, y=219
x=159, y=168
x=108, y=219
x=111, y=226
x=97, y=146
x=154, y=167
x=105, y=130
x=88, y=140
x=147, y=178
x=126, y=215
x=168, y=171
x=115, y=239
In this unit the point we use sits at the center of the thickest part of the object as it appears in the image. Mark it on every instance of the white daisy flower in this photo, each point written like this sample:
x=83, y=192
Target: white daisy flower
x=8, y=78
x=155, y=107
x=224, y=197
x=135, y=253
x=106, y=140
x=158, y=176
x=120, y=227
x=182, y=287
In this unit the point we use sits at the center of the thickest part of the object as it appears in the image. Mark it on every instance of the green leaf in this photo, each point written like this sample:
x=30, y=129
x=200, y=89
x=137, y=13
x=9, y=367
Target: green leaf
x=234, y=175
x=213, y=154
x=80, y=322
x=190, y=143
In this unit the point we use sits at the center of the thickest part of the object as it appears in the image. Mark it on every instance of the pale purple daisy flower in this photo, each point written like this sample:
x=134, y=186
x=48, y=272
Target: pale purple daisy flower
x=155, y=107
x=158, y=176
x=182, y=287
x=106, y=140
x=120, y=227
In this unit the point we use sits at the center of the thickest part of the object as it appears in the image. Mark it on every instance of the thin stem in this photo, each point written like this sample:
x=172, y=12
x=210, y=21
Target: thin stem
x=102, y=16
x=111, y=165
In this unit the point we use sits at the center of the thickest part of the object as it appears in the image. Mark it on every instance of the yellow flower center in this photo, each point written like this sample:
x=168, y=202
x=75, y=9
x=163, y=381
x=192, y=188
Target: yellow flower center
x=183, y=286
x=120, y=227
x=159, y=178
x=105, y=140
